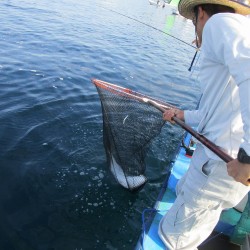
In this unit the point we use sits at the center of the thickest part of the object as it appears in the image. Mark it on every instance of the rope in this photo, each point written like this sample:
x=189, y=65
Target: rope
x=144, y=224
x=191, y=65
x=148, y=25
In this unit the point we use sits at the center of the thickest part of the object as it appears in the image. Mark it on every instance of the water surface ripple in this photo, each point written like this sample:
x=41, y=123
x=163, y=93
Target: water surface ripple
x=55, y=188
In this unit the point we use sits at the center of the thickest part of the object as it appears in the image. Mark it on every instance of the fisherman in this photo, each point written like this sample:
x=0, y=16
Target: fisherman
x=210, y=185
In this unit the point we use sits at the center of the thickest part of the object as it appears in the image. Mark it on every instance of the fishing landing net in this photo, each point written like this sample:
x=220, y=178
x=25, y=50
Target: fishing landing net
x=130, y=123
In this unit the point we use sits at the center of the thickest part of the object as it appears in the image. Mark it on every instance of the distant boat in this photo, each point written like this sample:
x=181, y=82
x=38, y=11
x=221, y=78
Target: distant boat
x=156, y=3
x=174, y=5
x=175, y=12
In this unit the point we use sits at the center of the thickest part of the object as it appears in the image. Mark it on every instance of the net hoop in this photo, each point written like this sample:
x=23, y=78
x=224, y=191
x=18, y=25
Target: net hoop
x=113, y=97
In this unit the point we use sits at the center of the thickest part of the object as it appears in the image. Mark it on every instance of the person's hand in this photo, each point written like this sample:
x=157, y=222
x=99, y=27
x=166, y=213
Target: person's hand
x=239, y=171
x=197, y=43
x=170, y=113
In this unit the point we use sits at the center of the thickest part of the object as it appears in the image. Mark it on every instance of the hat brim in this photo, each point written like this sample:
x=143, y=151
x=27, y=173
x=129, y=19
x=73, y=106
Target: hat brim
x=186, y=7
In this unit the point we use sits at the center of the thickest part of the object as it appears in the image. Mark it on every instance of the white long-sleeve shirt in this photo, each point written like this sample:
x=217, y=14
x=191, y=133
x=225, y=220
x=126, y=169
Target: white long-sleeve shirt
x=224, y=111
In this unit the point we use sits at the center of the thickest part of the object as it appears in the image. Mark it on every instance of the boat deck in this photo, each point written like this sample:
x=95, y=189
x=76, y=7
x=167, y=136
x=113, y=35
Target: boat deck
x=219, y=239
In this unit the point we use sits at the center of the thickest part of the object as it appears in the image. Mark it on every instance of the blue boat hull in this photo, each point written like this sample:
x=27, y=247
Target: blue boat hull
x=149, y=239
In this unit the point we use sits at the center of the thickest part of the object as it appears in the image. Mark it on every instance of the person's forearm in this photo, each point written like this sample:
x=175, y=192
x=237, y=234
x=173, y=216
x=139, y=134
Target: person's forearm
x=239, y=171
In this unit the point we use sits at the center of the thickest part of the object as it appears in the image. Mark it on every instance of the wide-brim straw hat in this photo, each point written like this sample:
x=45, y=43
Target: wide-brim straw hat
x=186, y=7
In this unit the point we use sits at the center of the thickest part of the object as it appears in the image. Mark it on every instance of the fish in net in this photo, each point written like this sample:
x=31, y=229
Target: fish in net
x=130, y=123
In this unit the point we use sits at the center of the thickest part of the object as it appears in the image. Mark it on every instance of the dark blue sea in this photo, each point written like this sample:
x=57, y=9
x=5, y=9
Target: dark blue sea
x=56, y=191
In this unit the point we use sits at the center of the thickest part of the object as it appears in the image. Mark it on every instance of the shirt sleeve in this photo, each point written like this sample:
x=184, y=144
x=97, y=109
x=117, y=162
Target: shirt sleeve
x=244, y=92
x=192, y=118
x=231, y=43
x=232, y=39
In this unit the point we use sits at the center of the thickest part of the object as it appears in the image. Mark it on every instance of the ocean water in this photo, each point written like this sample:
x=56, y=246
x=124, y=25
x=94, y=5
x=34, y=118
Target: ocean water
x=56, y=192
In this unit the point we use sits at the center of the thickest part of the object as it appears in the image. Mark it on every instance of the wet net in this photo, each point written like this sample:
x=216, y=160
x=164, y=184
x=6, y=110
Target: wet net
x=130, y=123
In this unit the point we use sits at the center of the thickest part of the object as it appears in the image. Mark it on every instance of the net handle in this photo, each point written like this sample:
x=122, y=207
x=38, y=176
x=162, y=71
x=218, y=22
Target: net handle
x=213, y=147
